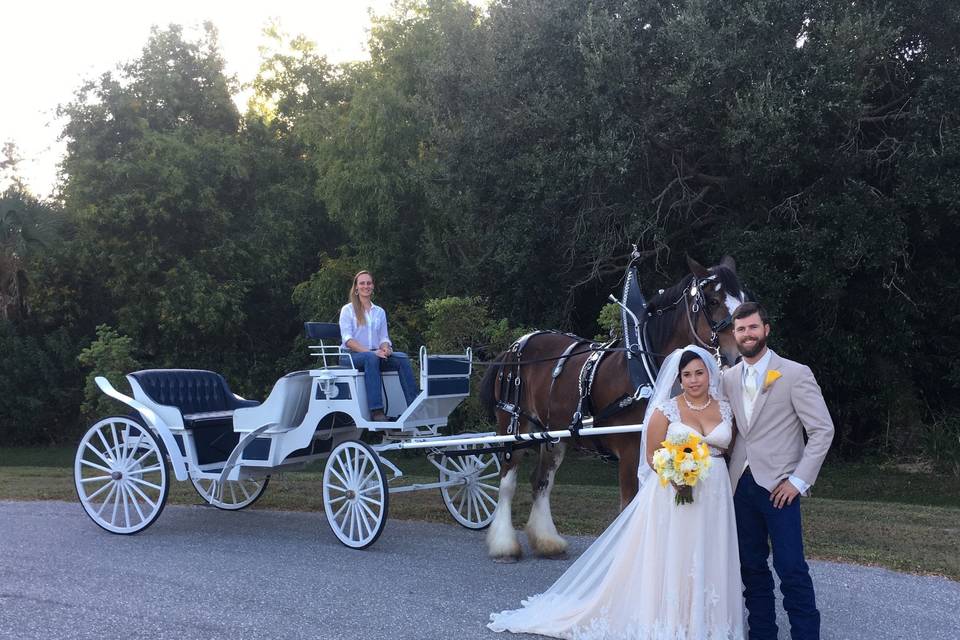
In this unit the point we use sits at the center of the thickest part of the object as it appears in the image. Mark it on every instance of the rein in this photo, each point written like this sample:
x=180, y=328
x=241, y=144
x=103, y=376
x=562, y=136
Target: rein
x=562, y=356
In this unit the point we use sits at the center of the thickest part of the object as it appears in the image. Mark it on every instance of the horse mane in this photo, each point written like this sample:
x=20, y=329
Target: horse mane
x=729, y=280
x=663, y=315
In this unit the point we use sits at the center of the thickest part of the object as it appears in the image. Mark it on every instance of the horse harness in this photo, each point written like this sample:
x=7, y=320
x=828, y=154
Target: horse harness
x=511, y=387
x=643, y=370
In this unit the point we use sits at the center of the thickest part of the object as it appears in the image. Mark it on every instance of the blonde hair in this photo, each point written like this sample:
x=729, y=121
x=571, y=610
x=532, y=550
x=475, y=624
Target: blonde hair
x=354, y=298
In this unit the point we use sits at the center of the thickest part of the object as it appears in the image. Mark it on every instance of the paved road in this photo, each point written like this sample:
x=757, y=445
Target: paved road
x=203, y=574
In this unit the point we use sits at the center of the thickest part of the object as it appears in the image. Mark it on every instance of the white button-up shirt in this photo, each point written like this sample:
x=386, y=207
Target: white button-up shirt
x=371, y=334
x=761, y=368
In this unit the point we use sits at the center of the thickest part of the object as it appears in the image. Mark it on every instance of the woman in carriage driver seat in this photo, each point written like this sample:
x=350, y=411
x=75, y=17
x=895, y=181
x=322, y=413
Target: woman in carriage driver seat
x=363, y=329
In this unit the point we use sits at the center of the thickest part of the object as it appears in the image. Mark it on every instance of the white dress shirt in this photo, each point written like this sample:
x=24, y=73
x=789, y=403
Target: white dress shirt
x=371, y=334
x=760, y=367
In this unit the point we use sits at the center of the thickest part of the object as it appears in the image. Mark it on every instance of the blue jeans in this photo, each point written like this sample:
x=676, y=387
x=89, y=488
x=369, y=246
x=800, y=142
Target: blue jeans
x=371, y=365
x=760, y=525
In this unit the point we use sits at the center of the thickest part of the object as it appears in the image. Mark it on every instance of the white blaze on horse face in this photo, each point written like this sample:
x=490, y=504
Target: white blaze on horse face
x=732, y=302
x=501, y=538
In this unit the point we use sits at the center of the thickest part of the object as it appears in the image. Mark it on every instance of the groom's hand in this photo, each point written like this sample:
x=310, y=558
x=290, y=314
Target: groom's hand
x=783, y=494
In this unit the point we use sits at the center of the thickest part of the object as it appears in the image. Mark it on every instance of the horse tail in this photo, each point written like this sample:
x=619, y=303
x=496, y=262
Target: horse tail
x=488, y=386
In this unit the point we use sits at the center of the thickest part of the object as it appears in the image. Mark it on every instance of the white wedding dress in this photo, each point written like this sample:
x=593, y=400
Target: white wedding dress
x=660, y=571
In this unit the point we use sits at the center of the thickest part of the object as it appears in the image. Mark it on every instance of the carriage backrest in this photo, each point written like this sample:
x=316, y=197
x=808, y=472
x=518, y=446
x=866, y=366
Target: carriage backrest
x=323, y=331
x=190, y=390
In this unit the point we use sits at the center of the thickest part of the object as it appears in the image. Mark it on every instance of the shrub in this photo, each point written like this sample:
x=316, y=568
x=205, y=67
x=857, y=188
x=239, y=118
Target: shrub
x=110, y=356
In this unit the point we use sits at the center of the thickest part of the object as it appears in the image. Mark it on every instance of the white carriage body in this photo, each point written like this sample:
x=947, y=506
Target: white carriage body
x=306, y=415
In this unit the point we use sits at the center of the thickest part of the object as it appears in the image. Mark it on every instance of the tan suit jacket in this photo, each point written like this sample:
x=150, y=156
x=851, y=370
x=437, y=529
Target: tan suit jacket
x=772, y=441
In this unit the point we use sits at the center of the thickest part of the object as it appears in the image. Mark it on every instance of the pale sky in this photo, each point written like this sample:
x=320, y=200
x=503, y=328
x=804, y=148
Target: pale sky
x=51, y=47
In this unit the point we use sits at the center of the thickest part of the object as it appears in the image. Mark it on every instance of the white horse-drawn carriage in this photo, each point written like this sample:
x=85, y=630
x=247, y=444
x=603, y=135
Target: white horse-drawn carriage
x=188, y=423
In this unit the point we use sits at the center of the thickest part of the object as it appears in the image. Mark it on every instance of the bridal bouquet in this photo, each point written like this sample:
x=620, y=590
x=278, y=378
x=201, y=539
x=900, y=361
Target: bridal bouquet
x=683, y=460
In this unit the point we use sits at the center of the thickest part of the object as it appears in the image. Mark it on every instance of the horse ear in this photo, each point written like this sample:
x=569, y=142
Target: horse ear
x=729, y=263
x=696, y=268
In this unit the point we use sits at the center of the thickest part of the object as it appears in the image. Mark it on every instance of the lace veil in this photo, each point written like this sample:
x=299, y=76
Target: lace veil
x=666, y=387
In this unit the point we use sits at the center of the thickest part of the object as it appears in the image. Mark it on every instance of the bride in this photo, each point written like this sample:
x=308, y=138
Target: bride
x=660, y=571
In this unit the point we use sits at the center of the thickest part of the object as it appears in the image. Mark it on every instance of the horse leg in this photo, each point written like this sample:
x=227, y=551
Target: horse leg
x=502, y=542
x=627, y=471
x=541, y=531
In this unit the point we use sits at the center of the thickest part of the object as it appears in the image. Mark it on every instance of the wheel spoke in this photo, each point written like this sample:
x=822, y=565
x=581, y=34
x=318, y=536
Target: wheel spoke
x=348, y=471
x=379, y=503
x=93, y=495
x=463, y=497
x=95, y=466
x=144, y=496
x=341, y=510
x=106, y=501
x=363, y=526
x=336, y=488
x=454, y=463
x=369, y=489
x=487, y=498
x=116, y=504
x=136, y=505
x=145, y=483
x=489, y=475
x=95, y=479
x=126, y=505
x=480, y=504
x=370, y=513
x=97, y=452
x=233, y=493
x=146, y=470
x=460, y=489
x=336, y=500
x=366, y=478
x=343, y=481
x=116, y=442
x=492, y=487
x=142, y=458
x=362, y=467
x=357, y=461
x=352, y=511
x=246, y=494
x=106, y=447
x=133, y=450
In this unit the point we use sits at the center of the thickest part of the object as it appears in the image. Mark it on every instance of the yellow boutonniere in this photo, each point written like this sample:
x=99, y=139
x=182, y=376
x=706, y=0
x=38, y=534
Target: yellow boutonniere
x=772, y=376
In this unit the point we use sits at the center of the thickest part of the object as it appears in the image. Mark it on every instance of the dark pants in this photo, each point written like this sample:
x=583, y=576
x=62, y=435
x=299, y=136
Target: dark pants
x=760, y=524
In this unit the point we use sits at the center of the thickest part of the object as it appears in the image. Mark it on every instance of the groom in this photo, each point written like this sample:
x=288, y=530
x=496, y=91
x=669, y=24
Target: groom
x=775, y=401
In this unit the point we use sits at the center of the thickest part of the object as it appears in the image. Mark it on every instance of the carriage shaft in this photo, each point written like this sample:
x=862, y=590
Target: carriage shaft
x=540, y=436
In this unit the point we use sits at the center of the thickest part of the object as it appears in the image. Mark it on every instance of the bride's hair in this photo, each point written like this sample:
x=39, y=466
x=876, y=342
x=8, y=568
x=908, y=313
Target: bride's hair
x=686, y=358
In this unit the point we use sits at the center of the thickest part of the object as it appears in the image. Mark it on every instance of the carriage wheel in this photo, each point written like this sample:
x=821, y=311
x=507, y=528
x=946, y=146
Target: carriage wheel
x=231, y=495
x=472, y=498
x=355, y=494
x=121, y=475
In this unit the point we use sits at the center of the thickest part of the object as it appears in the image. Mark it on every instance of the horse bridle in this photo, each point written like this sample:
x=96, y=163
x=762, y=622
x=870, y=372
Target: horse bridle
x=699, y=305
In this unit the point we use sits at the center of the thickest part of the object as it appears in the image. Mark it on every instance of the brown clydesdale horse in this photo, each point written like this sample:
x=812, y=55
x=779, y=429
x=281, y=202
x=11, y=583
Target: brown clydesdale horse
x=675, y=314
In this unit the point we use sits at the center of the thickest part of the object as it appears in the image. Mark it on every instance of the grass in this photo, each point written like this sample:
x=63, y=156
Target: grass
x=882, y=515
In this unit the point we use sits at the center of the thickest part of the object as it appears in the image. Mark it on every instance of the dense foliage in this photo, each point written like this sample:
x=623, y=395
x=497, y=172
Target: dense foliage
x=492, y=168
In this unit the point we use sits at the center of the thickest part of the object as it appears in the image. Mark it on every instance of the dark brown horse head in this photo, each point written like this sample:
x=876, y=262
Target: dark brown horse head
x=717, y=292
x=698, y=310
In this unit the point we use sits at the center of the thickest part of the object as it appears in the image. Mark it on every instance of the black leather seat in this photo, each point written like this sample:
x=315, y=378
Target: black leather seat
x=203, y=397
x=323, y=331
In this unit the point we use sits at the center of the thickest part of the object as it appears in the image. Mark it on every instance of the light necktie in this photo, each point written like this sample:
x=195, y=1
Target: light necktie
x=751, y=384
